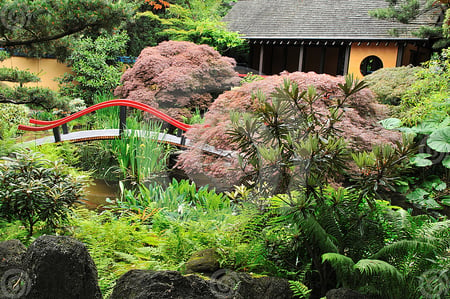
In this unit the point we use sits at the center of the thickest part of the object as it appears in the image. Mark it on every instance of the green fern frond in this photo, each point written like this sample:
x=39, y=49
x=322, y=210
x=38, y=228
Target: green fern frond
x=299, y=289
x=344, y=267
x=330, y=224
x=385, y=271
x=317, y=235
x=404, y=247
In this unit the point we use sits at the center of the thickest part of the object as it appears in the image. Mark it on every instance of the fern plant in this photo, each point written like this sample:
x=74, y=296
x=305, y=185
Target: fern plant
x=396, y=269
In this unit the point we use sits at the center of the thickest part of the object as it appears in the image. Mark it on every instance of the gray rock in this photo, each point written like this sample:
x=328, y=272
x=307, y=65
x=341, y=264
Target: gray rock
x=11, y=252
x=61, y=267
x=13, y=279
x=147, y=284
x=257, y=288
x=344, y=293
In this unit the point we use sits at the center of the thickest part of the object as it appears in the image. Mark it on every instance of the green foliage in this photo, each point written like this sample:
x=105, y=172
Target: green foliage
x=32, y=96
x=33, y=189
x=209, y=32
x=139, y=153
x=287, y=137
x=116, y=245
x=145, y=31
x=10, y=118
x=196, y=118
x=195, y=21
x=179, y=197
x=250, y=77
x=428, y=98
x=380, y=168
x=409, y=11
x=396, y=266
x=31, y=23
x=16, y=75
x=299, y=289
x=390, y=84
x=428, y=193
x=4, y=55
x=95, y=66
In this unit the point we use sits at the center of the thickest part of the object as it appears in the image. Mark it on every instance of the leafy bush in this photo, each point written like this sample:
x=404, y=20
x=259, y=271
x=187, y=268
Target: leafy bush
x=429, y=97
x=357, y=125
x=391, y=84
x=95, y=66
x=178, y=77
x=33, y=189
x=11, y=116
x=19, y=76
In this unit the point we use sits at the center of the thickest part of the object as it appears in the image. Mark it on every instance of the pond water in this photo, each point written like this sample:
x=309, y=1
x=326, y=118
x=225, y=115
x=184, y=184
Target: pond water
x=99, y=191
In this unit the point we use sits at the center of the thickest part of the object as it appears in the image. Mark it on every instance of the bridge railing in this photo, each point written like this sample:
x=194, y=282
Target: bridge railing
x=55, y=124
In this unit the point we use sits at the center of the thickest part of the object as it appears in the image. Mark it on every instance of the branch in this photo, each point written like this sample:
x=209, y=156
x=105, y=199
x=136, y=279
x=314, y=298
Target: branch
x=7, y=43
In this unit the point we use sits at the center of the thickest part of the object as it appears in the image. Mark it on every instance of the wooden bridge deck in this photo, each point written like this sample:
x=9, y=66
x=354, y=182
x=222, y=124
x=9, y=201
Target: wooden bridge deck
x=91, y=135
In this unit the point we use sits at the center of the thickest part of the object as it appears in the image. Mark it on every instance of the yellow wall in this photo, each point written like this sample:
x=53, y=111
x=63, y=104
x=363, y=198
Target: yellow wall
x=387, y=54
x=48, y=69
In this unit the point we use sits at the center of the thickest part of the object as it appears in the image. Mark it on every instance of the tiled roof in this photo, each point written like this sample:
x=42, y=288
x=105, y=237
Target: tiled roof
x=316, y=19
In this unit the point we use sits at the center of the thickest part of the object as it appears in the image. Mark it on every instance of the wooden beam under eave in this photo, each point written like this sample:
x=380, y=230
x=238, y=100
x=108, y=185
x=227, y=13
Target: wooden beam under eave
x=346, y=59
x=261, y=60
x=300, y=58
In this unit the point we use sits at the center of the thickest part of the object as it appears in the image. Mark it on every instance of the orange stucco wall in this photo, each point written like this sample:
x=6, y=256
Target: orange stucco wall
x=387, y=54
x=48, y=69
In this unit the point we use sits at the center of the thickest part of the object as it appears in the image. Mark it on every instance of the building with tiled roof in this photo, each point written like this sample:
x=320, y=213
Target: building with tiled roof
x=335, y=37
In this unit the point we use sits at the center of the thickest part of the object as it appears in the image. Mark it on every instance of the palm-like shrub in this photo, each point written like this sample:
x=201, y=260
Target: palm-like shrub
x=33, y=189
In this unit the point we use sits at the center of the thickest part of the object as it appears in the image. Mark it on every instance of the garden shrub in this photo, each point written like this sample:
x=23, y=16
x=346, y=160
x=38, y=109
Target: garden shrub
x=11, y=116
x=391, y=84
x=33, y=189
x=95, y=66
x=178, y=77
x=359, y=123
x=429, y=97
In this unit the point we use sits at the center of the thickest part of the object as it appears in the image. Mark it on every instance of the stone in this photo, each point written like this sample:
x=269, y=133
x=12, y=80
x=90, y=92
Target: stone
x=147, y=284
x=257, y=288
x=344, y=293
x=204, y=261
x=13, y=278
x=11, y=252
x=60, y=267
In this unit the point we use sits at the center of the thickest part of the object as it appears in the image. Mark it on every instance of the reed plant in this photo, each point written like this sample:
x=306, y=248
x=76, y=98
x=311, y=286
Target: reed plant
x=140, y=155
x=179, y=197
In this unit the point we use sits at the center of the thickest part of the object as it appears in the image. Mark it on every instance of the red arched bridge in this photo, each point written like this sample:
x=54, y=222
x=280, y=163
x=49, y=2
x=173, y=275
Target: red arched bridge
x=82, y=136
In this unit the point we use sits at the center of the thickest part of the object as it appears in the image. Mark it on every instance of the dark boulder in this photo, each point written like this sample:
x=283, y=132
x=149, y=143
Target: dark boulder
x=147, y=284
x=11, y=252
x=257, y=288
x=61, y=267
x=344, y=293
x=14, y=281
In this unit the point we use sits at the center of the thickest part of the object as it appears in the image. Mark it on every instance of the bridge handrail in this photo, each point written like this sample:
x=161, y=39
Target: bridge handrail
x=121, y=102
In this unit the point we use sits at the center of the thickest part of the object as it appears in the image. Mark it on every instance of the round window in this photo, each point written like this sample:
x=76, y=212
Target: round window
x=370, y=64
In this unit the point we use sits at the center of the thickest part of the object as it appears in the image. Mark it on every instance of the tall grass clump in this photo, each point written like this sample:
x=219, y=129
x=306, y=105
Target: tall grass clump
x=179, y=198
x=139, y=153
